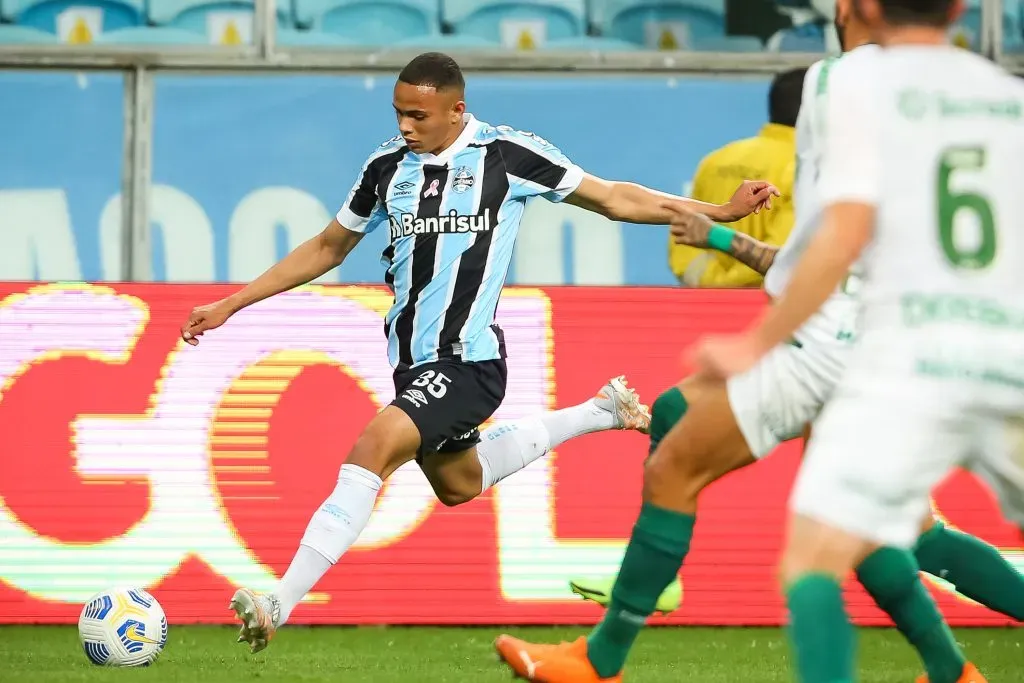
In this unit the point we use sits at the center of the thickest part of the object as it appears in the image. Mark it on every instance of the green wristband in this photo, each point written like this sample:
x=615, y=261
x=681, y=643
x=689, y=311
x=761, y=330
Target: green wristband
x=720, y=238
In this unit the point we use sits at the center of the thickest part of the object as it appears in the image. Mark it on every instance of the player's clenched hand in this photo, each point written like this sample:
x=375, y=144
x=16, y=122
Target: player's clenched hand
x=203, y=318
x=751, y=197
x=727, y=355
x=688, y=227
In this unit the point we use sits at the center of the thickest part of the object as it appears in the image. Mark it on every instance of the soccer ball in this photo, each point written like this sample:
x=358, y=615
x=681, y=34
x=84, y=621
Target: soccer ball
x=122, y=627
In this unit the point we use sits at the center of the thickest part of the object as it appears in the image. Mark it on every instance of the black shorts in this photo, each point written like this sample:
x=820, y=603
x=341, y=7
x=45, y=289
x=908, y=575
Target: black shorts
x=448, y=400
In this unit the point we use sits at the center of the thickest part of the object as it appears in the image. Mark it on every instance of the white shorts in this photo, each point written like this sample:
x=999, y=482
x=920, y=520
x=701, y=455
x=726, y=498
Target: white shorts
x=777, y=398
x=887, y=438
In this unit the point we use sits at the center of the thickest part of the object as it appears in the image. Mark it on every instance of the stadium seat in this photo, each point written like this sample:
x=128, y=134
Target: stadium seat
x=726, y=44
x=520, y=23
x=370, y=21
x=445, y=42
x=592, y=43
x=151, y=35
x=805, y=38
x=23, y=35
x=75, y=21
x=222, y=21
x=654, y=22
x=290, y=37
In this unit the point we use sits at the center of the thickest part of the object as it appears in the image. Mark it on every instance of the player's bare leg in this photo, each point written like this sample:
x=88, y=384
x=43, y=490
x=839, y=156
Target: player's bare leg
x=508, y=447
x=706, y=454
x=695, y=441
x=391, y=440
x=816, y=560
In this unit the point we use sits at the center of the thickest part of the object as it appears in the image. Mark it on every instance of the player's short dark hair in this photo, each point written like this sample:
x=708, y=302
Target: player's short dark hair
x=433, y=69
x=933, y=13
x=784, y=96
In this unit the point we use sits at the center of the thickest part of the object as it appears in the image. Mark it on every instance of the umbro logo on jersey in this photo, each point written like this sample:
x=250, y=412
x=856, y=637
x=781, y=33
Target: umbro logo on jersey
x=403, y=189
x=406, y=224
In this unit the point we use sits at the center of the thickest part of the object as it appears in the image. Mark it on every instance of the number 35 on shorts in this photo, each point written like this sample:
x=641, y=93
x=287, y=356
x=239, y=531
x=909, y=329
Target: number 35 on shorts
x=435, y=384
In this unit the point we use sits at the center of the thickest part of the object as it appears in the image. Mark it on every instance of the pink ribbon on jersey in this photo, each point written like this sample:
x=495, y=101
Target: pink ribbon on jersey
x=432, y=190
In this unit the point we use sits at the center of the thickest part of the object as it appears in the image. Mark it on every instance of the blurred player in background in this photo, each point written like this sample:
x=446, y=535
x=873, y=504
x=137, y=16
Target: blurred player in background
x=730, y=424
x=451, y=192
x=924, y=142
x=769, y=154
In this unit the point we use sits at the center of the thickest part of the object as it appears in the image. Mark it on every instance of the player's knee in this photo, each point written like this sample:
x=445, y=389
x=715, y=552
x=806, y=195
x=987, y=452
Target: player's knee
x=450, y=497
x=667, y=410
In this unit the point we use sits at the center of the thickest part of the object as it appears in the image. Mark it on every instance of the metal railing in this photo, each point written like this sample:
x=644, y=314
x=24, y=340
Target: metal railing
x=139, y=64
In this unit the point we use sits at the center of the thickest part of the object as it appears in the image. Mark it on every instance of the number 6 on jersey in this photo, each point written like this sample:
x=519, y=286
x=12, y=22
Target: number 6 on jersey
x=964, y=160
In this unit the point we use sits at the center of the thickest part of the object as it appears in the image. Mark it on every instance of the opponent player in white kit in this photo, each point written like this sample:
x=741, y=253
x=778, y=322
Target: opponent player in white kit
x=772, y=402
x=728, y=425
x=923, y=151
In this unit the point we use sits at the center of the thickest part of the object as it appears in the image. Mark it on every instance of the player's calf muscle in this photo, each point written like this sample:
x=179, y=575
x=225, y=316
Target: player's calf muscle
x=455, y=477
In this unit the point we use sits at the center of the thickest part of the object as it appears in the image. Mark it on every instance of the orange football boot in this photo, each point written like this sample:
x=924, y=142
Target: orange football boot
x=970, y=675
x=544, y=663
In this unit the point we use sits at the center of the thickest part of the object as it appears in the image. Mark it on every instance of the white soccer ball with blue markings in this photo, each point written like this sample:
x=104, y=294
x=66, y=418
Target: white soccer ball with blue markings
x=122, y=627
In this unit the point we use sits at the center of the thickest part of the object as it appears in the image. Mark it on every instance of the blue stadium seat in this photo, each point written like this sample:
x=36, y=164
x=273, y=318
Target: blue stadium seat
x=448, y=42
x=45, y=14
x=726, y=44
x=151, y=35
x=484, y=18
x=23, y=35
x=628, y=19
x=290, y=37
x=193, y=15
x=370, y=22
x=804, y=38
x=594, y=43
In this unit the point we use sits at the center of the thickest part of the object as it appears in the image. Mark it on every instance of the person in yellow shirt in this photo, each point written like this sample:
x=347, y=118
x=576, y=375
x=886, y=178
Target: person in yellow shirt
x=771, y=155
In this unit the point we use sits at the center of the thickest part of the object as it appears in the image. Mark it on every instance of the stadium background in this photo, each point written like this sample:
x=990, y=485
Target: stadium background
x=176, y=168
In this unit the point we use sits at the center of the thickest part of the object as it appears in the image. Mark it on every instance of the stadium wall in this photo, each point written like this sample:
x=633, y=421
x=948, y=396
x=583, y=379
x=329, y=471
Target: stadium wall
x=131, y=458
x=246, y=166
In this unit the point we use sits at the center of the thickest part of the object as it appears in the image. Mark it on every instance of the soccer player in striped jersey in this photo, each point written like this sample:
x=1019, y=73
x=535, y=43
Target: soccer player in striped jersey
x=450, y=190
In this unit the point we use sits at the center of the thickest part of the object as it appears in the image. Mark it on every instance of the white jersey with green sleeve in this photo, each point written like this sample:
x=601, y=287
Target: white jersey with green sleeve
x=810, y=142
x=836, y=321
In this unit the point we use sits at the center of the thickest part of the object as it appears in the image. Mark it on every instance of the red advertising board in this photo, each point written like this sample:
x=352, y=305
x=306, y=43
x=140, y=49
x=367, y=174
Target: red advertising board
x=129, y=458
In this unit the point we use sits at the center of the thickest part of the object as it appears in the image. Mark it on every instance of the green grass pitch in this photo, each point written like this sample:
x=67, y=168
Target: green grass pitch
x=201, y=654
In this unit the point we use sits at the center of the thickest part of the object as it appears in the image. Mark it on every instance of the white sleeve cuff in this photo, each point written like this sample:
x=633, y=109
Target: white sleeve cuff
x=350, y=220
x=570, y=182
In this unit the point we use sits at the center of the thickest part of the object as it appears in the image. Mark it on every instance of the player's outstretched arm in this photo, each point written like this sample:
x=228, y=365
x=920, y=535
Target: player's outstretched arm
x=697, y=230
x=305, y=263
x=846, y=230
x=634, y=203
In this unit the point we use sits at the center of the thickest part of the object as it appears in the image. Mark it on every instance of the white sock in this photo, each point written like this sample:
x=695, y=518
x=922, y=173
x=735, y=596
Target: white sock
x=508, y=447
x=331, y=531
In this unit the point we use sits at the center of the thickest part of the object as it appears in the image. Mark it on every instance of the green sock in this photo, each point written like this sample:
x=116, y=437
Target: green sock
x=668, y=409
x=891, y=577
x=660, y=541
x=820, y=631
x=977, y=569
